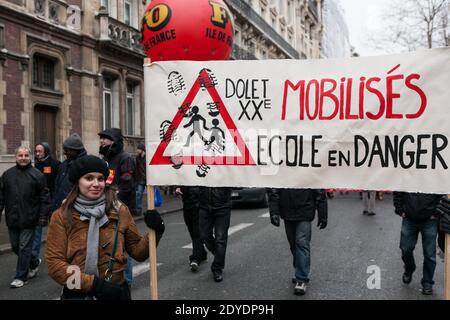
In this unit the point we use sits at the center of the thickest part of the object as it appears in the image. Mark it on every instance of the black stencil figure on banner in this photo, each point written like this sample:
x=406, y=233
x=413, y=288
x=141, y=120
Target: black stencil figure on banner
x=217, y=139
x=208, y=81
x=195, y=122
x=202, y=170
x=175, y=83
x=213, y=108
x=167, y=131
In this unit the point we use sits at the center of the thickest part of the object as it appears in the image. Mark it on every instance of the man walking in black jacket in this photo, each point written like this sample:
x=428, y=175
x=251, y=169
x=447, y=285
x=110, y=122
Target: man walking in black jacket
x=419, y=214
x=49, y=168
x=73, y=149
x=297, y=207
x=121, y=166
x=24, y=196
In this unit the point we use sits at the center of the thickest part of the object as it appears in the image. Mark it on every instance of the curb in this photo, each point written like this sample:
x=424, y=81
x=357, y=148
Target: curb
x=6, y=248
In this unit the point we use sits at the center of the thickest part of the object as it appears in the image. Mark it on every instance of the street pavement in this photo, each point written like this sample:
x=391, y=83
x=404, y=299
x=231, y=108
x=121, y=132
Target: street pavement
x=259, y=263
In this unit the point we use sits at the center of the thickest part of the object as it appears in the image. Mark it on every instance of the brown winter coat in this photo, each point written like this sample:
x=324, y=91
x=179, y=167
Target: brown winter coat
x=66, y=246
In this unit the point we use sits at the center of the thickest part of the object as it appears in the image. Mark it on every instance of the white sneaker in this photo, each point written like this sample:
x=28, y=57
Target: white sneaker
x=300, y=288
x=194, y=266
x=17, y=283
x=33, y=272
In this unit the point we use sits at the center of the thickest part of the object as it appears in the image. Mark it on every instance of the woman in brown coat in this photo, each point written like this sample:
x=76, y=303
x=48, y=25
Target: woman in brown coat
x=82, y=236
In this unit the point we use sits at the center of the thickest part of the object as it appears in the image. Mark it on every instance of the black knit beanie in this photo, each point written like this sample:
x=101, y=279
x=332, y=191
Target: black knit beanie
x=87, y=164
x=73, y=142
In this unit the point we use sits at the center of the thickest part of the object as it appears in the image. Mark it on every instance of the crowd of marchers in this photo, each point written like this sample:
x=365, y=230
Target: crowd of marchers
x=89, y=205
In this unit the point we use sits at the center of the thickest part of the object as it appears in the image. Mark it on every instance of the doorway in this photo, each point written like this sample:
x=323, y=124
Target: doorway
x=45, y=126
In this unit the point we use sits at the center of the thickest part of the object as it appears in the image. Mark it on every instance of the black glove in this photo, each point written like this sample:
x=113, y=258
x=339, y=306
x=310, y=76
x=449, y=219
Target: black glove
x=443, y=209
x=275, y=220
x=322, y=223
x=154, y=221
x=105, y=290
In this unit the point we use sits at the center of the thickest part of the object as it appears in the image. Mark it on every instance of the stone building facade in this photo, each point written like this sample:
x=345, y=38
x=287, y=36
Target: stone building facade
x=69, y=66
x=76, y=66
x=277, y=29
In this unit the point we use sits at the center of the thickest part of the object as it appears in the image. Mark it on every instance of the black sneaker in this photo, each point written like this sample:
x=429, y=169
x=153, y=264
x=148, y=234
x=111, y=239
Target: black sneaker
x=407, y=277
x=371, y=214
x=365, y=212
x=427, y=291
x=194, y=266
x=300, y=288
x=217, y=276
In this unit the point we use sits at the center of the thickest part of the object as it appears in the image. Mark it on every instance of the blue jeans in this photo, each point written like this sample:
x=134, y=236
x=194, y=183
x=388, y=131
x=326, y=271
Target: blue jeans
x=139, y=193
x=299, y=236
x=408, y=239
x=128, y=272
x=36, y=246
x=21, y=242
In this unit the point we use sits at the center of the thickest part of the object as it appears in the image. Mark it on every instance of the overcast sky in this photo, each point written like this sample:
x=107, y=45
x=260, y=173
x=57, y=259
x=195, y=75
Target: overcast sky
x=363, y=18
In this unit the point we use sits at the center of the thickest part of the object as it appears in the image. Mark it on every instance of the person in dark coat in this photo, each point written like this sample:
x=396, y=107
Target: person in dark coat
x=140, y=176
x=121, y=165
x=121, y=175
x=73, y=149
x=419, y=215
x=46, y=164
x=297, y=208
x=443, y=210
x=49, y=168
x=190, y=197
x=25, y=197
x=214, y=216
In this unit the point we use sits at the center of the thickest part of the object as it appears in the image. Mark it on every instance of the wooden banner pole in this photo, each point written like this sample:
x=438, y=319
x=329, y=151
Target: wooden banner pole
x=152, y=248
x=151, y=234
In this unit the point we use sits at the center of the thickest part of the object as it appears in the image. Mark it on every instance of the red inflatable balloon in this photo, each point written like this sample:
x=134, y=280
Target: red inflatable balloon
x=187, y=30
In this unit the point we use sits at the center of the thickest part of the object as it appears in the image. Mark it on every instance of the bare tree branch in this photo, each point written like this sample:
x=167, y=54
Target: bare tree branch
x=413, y=24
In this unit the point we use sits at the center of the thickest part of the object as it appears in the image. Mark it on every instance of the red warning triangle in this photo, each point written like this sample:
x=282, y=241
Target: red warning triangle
x=204, y=80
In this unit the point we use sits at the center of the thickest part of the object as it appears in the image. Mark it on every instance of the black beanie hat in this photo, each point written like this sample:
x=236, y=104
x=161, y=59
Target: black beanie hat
x=87, y=164
x=73, y=142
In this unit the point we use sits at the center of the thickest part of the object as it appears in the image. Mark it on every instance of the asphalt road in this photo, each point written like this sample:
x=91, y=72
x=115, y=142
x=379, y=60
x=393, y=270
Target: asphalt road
x=259, y=263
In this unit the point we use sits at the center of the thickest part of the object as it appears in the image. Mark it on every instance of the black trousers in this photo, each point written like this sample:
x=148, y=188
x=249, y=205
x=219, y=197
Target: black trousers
x=217, y=221
x=191, y=219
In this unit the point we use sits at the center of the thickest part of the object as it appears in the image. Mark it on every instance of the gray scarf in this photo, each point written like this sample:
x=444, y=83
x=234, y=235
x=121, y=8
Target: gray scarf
x=94, y=211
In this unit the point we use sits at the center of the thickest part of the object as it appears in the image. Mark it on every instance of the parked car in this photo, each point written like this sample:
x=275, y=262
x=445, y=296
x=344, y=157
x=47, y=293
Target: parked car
x=251, y=196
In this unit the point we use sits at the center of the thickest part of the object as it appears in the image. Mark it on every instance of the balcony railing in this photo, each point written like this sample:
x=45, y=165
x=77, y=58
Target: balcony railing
x=119, y=33
x=248, y=13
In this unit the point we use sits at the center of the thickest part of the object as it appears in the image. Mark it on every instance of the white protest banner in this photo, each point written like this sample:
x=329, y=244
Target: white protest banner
x=374, y=123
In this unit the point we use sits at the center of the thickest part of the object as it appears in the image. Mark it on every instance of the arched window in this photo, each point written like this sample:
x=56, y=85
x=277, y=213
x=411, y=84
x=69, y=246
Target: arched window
x=43, y=72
